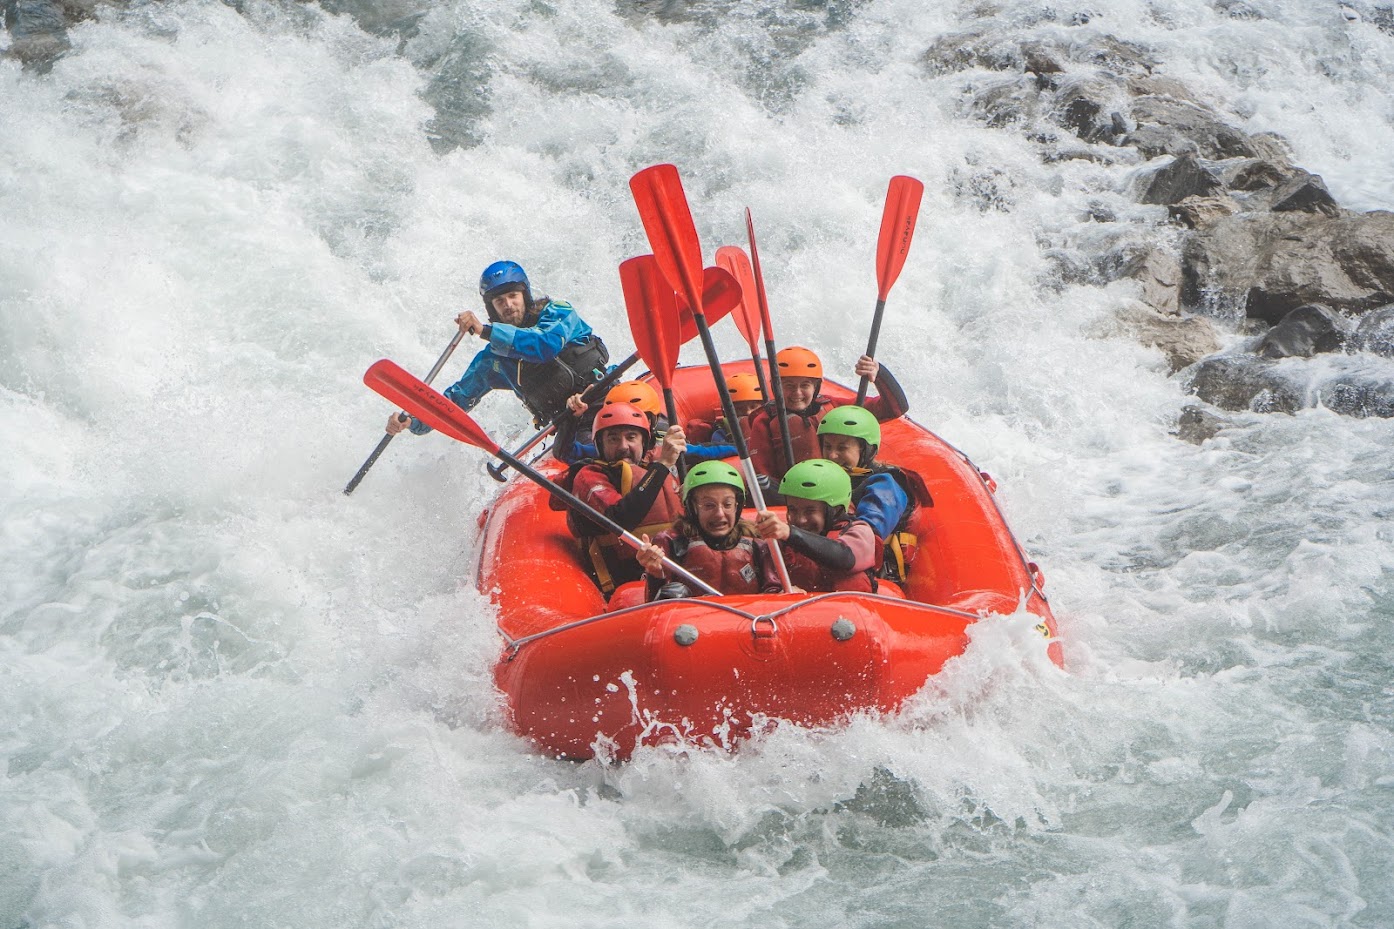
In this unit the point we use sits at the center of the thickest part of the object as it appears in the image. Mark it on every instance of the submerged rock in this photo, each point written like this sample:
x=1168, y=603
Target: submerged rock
x=1198, y=425
x=1375, y=333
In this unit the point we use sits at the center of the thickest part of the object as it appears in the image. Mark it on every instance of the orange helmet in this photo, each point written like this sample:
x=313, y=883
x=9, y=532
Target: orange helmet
x=612, y=415
x=635, y=393
x=744, y=387
x=799, y=362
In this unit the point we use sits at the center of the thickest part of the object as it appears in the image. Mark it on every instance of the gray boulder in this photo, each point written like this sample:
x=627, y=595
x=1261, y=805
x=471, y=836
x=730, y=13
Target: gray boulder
x=1304, y=332
x=1244, y=382
x=1269, y=264
x=1178, y=179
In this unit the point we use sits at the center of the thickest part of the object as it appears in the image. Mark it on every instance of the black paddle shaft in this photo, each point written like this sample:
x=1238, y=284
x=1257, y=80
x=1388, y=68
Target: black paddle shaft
x=871, y=346
x=383, y=443
x=590, y=512
x=782, y=411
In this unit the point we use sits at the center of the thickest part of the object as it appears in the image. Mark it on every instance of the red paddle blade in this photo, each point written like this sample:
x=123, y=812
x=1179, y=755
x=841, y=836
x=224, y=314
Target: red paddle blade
x=759, y=279
x=897, y=228
x=667, y=220
x=747, y=312
x=426, y=404
x=653, y=315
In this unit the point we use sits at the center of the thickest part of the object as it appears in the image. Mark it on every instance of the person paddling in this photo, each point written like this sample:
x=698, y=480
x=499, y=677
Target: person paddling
x=801, y=381
x=826, y=549
x=883, y=495
x=711, y=540
x=747, y=396
x=539, y=348
x=571, y=446
x=627, y=484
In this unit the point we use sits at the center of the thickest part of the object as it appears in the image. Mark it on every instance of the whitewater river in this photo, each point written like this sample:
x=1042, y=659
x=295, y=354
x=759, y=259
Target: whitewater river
x=232, y=696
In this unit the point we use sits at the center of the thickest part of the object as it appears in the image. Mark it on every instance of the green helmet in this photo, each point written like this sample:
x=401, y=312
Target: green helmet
x=855, y=421
x=713, y=472
x=818, y=479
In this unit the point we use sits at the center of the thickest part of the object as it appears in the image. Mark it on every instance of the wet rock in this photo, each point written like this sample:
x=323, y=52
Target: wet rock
x=1183, y=339
x=1199, y=212
x=1198, y=425
x=1178, y=179
x=1375, y=333
x=1089, y=107
x=1306, y=193
x=1244, y=382
x=38, y=32
x=962, y=51
x=1167, y=126
x=1251, y=174
x=1304, y=332
x=1272, y=263
x=1007, y=103
x=1158, y=272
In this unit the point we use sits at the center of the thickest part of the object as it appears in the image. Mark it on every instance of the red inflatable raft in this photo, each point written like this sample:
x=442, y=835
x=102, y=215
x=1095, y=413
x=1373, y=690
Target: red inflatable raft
x=707, y=671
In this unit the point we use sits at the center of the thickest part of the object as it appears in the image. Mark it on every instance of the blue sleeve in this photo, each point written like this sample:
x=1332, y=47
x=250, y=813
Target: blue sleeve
x=697, y=453
x=577, y=450
x=482, y=376
x=880, y=503
x=558, y=325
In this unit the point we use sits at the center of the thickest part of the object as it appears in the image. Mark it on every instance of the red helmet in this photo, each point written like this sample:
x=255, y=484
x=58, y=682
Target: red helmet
x=612, y=415
x=799, y=362
x=635, y=393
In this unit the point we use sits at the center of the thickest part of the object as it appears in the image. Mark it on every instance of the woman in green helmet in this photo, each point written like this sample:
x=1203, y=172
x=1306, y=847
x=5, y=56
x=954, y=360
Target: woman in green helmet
x=711, y=540
x=825, y=549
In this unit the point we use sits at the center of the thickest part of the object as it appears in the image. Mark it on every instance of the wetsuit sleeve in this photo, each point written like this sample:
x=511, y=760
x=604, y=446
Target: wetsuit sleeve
x=890, y=401
x=880, y=503
x=479, y=378
x=539, y=343
x=863, y=544
x=830, y=553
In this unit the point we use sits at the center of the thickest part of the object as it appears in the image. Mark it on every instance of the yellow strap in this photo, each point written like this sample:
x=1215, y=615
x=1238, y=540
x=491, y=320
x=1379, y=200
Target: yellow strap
x=897, y=548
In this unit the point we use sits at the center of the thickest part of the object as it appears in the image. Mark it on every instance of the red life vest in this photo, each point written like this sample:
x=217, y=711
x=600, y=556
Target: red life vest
x=735, y=570
x=767, y=446
x=609, y=559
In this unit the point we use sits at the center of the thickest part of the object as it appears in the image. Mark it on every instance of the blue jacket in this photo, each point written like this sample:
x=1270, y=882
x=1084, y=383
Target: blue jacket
x=879, y=501
x=496, y=365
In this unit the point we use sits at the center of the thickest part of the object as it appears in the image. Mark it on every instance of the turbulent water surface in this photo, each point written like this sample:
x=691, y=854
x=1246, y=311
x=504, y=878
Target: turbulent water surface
x=233, y=696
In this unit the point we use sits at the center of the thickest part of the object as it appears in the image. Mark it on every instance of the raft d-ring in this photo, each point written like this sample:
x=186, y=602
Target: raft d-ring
x=755, y=627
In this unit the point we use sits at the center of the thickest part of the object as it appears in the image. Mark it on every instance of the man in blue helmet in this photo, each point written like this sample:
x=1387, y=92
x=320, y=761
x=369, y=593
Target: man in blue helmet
x=541, y=349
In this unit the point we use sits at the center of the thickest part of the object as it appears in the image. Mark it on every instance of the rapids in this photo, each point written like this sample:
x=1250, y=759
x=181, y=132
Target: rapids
x=233, y=696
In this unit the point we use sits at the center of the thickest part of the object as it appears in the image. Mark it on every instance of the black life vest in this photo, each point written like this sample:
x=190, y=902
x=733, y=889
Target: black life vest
x=545, y=387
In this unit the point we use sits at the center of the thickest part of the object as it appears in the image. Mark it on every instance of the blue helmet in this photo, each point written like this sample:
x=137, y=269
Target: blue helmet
x=502, y=277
